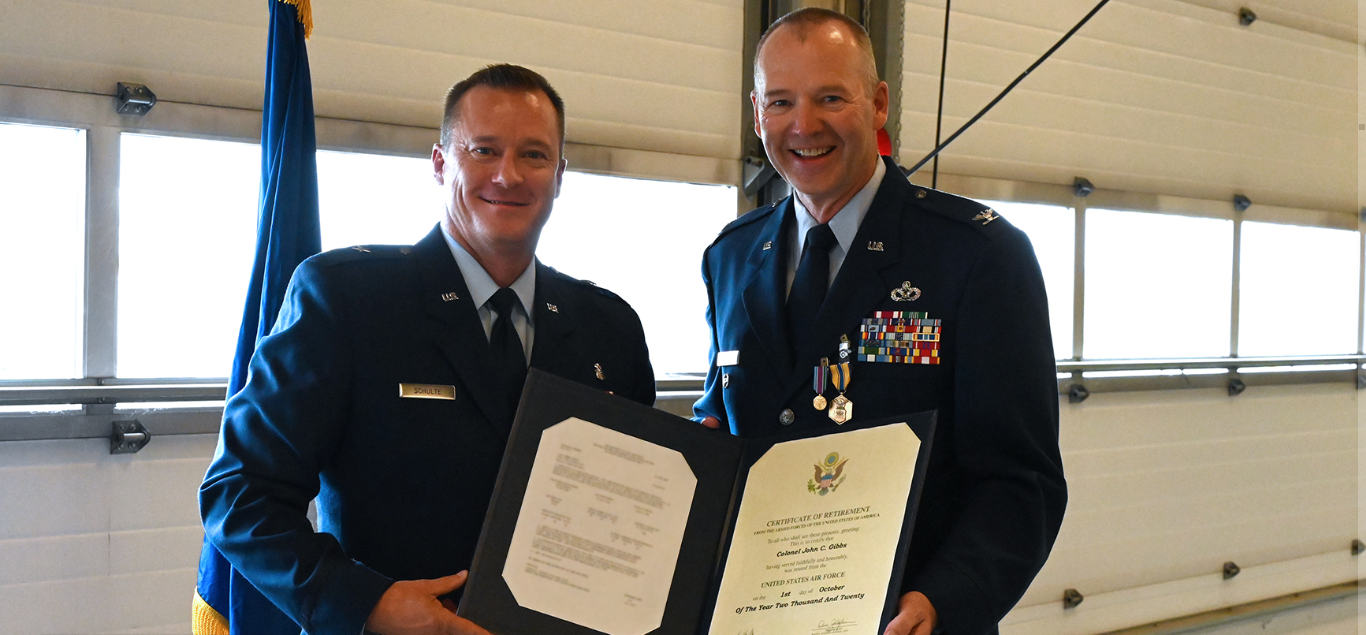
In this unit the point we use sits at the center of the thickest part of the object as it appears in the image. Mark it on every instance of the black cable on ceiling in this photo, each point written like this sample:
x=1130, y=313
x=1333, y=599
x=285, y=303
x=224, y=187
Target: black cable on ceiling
x=940, y=146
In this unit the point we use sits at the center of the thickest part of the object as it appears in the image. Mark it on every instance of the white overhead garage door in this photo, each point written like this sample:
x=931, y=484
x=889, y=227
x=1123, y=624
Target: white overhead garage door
x=1155, y=96
x=652, y=75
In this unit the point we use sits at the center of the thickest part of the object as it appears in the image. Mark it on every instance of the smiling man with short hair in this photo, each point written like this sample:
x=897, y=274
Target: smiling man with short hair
x=387, y=388
x=820, y=276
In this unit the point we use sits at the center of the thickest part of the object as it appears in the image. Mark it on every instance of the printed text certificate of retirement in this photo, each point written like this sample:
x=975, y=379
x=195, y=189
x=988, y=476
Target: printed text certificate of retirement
x=600, y=528
x=817, y=534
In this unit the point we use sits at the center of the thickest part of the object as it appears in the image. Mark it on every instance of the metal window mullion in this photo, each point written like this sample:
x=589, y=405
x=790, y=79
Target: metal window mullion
x=1078, y=277
x=1361, y=286
x=1235, y=302
x=100, y=325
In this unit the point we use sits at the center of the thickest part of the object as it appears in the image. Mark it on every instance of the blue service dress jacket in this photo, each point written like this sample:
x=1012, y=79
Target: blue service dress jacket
x=994, y=492
x=402, y=484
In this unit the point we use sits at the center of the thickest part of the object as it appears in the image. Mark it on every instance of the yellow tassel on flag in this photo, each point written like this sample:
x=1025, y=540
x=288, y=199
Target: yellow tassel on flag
x=204, y=620
x=305, y=15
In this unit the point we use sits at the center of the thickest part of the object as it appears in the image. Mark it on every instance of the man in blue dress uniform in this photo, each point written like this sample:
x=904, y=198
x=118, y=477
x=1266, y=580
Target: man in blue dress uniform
x=912, y=299
x=388, y=385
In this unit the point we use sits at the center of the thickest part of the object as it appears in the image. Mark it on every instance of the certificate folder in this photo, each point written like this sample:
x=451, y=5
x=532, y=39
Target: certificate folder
x=596, y=525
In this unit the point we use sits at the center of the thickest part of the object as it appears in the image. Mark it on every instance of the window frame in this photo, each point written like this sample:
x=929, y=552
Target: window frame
x=1078, y=377
x=98, y=390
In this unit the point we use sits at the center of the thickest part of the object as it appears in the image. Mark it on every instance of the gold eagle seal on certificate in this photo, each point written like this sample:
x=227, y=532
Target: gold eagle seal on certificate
x=829, y=475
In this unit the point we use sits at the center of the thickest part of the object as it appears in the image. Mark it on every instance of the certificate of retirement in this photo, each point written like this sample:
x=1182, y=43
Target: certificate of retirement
x=816, y=535
x=613, y=518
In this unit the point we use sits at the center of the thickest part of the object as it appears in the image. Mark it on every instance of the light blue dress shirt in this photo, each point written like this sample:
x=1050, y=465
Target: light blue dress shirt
x=844, y=224
x=482, y=287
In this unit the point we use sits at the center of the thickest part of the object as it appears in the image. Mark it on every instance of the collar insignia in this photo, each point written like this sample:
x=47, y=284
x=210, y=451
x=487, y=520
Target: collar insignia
x=986, y=216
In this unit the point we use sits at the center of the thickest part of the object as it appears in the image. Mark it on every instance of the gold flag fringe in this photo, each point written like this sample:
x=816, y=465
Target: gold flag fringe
x=204, y=620
x=305, y=15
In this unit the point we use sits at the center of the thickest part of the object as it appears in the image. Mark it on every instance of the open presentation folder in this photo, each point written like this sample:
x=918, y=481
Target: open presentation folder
x=611, y=517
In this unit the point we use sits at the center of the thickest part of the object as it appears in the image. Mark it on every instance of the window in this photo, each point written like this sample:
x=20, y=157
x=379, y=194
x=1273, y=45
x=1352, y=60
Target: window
x=371, y=199
x=1297, y=290
x=644, y=240
x=42, y=218
x=1052, y=230
x=187, y=232
x=1157, y=285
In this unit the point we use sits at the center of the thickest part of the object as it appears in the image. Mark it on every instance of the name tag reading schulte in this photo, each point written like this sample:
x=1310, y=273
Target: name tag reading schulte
x=426, y=391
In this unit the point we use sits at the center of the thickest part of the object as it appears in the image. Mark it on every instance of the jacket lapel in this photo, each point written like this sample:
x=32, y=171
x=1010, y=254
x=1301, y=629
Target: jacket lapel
x=764, y=295
x=461, y=337
x=553, y=348
x=859, y=286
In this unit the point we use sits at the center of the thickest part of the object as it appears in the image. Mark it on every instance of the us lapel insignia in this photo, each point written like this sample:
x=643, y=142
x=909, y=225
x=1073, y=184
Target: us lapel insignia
x=768, y=245
x=450, y=296
x=874, y=245
x=555, y=309
x=986, y=216
x=597, y=370
x=905, y=293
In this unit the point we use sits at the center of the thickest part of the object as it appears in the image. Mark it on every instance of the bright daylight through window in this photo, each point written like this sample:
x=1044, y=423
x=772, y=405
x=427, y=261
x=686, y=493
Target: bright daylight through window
x=1157, y=285
x=188, y=221
x=42, y=218
x=1298, y=291
x=187, y=228
x=371, y=199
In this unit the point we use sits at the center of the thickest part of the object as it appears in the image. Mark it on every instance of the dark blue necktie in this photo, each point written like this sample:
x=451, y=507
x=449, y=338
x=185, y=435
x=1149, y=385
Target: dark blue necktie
x=809, y=286
x=509, y=358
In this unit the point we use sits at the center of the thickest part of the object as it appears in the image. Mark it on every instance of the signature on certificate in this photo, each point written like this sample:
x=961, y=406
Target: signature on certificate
x=831, y=627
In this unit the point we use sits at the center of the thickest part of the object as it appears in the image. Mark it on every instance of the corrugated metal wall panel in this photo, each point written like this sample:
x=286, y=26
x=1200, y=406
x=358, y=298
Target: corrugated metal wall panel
x=660, y=75
x=1151, y=96
x=1168, y=485
x=99, y=543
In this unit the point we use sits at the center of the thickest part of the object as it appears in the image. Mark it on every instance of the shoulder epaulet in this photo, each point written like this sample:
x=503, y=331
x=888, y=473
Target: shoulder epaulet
x=958, y=208
x=589, y=284
x=750, y=217
x=358, y=253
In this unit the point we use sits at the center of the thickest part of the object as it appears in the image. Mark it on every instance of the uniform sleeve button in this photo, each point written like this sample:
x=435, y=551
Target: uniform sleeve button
x=786, y=417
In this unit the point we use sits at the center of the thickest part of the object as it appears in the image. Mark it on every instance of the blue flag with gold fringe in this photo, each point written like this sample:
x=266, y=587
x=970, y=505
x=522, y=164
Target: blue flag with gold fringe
x=287, y=233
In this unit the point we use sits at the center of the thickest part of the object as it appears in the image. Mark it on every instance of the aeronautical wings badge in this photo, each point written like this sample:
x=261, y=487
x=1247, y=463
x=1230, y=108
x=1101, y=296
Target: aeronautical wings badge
x=829, y=475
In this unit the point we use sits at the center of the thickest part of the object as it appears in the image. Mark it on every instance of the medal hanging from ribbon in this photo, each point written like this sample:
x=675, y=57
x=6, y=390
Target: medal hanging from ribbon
x=841, y=408
x=819, y=383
